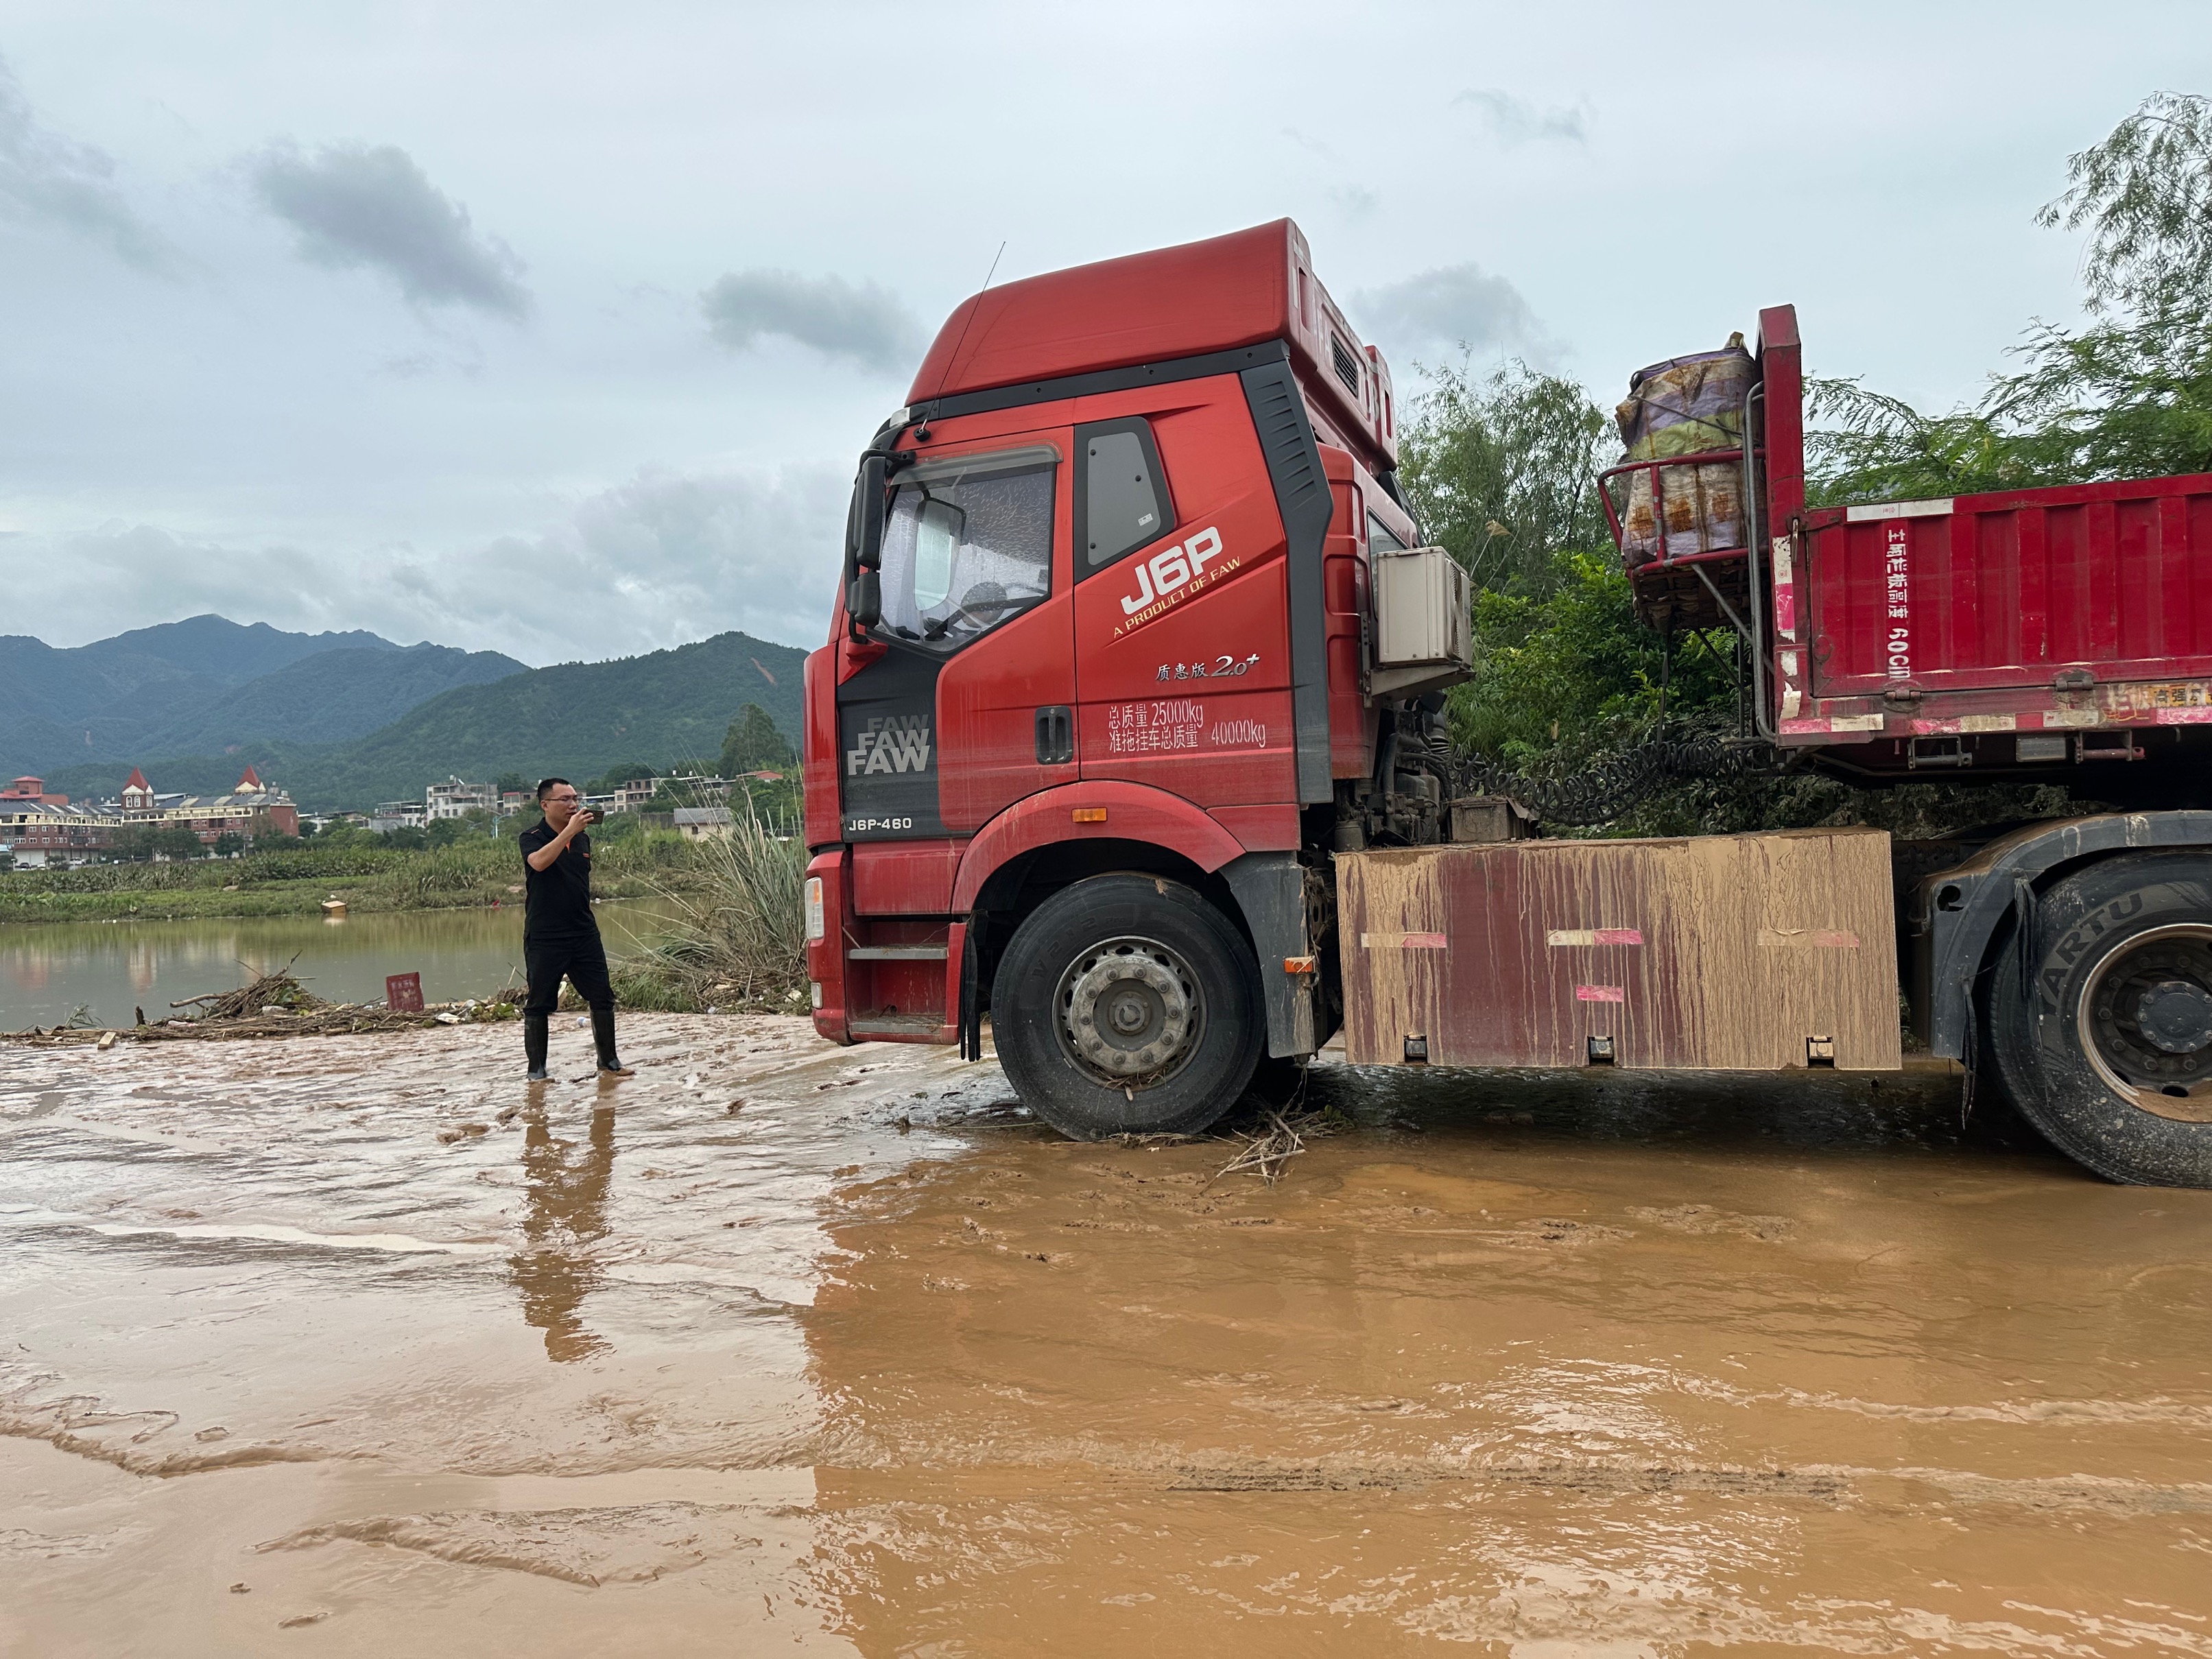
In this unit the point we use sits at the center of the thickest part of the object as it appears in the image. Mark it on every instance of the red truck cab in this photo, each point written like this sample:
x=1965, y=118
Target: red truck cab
x=1105, y=583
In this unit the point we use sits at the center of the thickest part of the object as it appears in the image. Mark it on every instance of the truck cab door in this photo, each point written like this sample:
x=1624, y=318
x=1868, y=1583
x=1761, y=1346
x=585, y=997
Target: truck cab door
x=1180, y=619
x=954, y=709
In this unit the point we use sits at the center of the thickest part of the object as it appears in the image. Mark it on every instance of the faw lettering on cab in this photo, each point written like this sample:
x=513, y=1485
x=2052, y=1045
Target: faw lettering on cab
x=1164, y=573
x=889, y=743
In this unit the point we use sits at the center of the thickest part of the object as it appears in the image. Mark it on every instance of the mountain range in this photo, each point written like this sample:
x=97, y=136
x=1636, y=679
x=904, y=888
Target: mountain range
x=208, y=685
x=346, y=721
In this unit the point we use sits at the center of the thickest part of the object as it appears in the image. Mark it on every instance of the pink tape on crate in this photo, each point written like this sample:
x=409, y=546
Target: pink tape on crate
x=1599, y=993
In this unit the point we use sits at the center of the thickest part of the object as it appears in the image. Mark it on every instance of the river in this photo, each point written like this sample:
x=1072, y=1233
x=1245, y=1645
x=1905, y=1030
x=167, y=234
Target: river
x=361, y=1346
x=48, y=970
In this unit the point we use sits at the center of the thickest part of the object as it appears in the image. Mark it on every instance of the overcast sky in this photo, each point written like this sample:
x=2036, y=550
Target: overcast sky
x=553, y=329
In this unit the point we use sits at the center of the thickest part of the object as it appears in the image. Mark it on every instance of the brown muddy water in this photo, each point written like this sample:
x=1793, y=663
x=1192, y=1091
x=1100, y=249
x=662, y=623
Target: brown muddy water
x=350, y=1345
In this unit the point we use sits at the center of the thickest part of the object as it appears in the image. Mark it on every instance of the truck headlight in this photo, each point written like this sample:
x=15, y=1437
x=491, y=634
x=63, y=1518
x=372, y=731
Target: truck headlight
x=817, y=929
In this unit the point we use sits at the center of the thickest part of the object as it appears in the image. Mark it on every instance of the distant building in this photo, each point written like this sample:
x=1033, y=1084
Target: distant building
x=454, y=799
x=30, y=789
x=41, y=829
x=703, y=823
x=397, y=815
x=632, y=797
x=240, y=812
x=37, y=833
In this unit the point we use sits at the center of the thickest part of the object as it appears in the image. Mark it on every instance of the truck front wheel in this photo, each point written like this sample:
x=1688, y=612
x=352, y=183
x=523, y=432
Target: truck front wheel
x=2105, y=1042
x=1126, y=1005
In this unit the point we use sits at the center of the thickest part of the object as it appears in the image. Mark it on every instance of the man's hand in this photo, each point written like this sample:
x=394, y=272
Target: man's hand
x=546, y=856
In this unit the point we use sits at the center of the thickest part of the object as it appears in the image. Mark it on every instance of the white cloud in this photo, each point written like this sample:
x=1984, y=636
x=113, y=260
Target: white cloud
x=1454, y=308
x=1514, y=121
x=662, y=560
x=866, y=323
x=351, y=205
x=48, y=180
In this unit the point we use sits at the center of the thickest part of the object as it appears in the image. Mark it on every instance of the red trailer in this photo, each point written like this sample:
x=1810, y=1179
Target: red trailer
x=2022, y=633
x=1129, y=734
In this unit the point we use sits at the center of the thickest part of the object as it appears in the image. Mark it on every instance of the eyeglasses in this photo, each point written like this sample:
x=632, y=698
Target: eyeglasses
x=567, y=797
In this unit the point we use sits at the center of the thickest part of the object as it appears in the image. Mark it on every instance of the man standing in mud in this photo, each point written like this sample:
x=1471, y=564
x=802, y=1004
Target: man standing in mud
x=560, y=938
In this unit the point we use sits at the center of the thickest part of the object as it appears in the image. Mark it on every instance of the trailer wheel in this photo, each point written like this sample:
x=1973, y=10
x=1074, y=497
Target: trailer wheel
x=2106, y=1043
x=1126, y=1005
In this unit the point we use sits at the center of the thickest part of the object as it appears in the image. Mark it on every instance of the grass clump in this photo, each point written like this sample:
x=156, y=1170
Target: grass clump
x=738, y=938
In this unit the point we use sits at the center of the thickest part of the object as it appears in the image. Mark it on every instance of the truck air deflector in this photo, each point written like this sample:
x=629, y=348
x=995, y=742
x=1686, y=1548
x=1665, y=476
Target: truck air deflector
x=1302, y=494
x=1167, y=372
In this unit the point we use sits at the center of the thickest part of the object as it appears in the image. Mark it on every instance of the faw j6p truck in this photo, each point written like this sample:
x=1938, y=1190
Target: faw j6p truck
x=1130, y=735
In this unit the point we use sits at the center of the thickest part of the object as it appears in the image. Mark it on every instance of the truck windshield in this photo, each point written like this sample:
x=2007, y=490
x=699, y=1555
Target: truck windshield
x=968, y=544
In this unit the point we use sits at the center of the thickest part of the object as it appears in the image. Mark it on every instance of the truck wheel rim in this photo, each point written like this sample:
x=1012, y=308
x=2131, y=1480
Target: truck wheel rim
x=1131, y=1012
x=2146, y=1021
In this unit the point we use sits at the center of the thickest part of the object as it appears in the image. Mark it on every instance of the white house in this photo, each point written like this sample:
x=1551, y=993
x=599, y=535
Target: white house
x=703, y=823
x=452, y=798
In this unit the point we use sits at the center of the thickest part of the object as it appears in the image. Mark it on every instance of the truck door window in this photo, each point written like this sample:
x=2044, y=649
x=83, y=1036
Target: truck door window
x=968, y=545
x=1379, y=539
x=1121, y=499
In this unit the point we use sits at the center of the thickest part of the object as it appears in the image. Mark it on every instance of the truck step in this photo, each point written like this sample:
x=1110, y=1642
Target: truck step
x=897, y=953
x=914, y=1027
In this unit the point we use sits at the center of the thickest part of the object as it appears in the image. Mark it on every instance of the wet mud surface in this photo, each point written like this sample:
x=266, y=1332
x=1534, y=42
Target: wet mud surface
x=351, y=1345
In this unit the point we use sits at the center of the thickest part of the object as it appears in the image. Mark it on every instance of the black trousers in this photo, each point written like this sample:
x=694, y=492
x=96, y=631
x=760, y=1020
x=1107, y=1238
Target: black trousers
x=581, y=961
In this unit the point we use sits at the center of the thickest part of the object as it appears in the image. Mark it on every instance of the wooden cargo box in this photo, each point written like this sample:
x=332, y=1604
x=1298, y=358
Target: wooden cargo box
x=1720, y=952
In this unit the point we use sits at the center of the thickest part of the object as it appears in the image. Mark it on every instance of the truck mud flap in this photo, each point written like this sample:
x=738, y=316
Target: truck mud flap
x=1270, y=888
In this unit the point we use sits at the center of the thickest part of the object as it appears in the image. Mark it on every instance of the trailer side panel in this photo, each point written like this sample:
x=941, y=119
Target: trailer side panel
x=1722, y=952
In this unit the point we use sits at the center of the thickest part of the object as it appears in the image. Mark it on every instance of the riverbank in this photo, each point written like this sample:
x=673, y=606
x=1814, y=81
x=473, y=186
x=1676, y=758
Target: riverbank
x=106, y=973
x=476, y=874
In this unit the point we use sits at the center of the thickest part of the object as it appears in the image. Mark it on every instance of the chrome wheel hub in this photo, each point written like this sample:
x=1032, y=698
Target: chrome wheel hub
x=1130, y=1011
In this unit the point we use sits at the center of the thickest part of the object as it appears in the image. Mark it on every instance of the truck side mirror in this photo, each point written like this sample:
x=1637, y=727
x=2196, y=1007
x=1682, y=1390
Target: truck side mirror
x=870, y=552
x=864, y=601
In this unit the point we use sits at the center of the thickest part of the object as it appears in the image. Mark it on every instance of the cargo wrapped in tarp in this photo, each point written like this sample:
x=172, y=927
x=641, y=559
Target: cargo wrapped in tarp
x=1687, y=406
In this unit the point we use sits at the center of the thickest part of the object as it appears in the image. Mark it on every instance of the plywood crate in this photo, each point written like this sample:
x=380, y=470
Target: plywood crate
x=1720, y=952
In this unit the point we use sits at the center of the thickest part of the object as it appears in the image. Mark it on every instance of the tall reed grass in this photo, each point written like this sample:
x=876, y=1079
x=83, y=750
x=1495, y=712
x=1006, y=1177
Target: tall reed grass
x=736, y=937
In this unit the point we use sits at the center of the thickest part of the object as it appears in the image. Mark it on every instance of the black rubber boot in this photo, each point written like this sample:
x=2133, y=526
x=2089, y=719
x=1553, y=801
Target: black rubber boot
x=534, y=1039
x=603, y=1033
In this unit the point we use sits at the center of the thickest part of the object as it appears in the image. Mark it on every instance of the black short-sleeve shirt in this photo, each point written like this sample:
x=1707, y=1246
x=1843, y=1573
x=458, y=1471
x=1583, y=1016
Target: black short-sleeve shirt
x=557, y=901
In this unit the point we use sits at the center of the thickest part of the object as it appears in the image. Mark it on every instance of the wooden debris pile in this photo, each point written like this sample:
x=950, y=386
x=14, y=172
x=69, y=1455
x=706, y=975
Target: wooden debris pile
x=273, y=1005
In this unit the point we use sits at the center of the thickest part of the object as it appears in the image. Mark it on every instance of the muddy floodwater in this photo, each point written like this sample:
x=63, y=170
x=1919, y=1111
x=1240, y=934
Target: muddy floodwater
x=350, y=1345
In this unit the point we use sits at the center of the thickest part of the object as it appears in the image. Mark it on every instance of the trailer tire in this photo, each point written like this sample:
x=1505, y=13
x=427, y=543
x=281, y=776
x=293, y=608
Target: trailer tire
x=1127, y=1005
x=2104, y=1041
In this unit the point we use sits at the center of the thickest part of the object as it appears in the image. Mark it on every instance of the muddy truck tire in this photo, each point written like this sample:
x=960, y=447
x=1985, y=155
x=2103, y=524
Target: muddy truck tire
x=1127, y=1005
x=2101, y=1018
